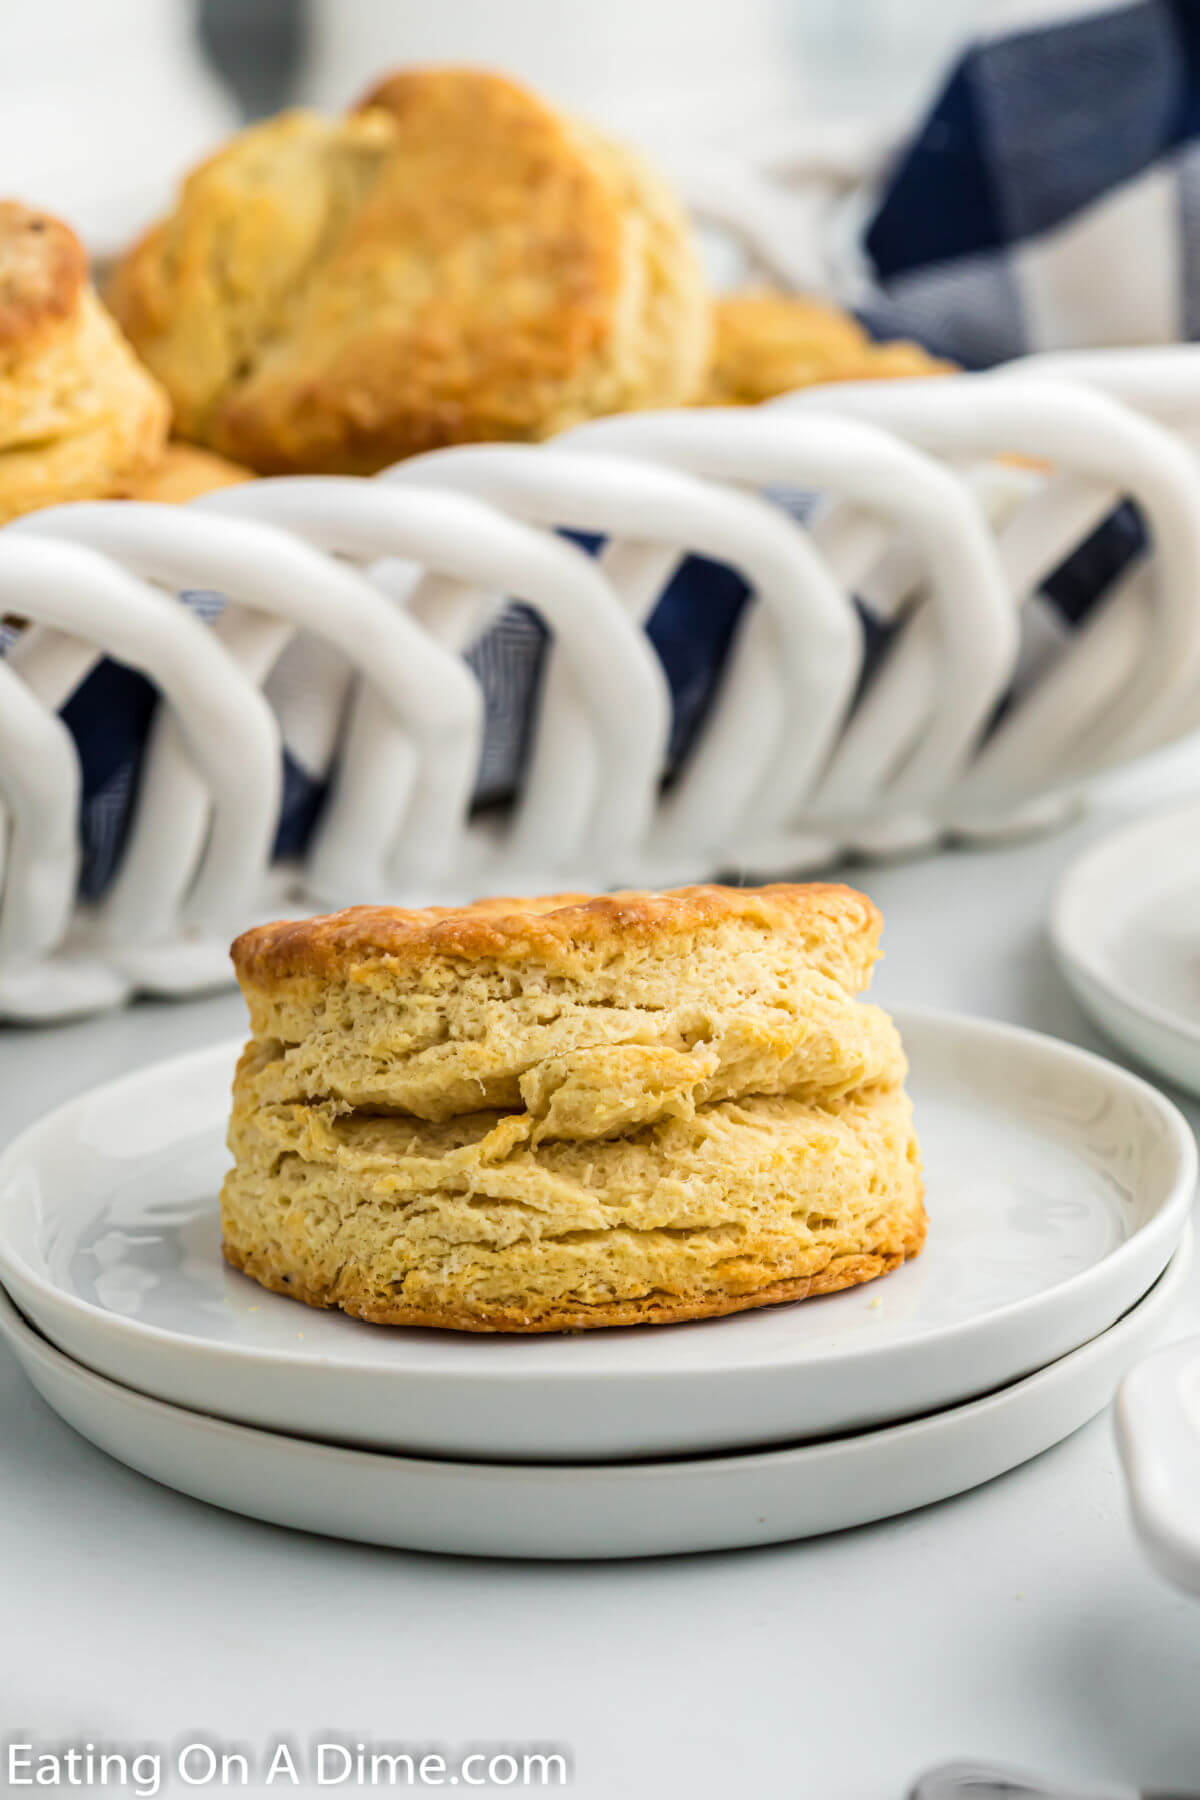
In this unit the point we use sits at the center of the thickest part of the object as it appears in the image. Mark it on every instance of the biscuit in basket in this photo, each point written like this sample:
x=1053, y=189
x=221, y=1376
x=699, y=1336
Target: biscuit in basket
x=181, y=473
x=455, y=261
x=78, y=413
x=633, y=1109
x=768, y=343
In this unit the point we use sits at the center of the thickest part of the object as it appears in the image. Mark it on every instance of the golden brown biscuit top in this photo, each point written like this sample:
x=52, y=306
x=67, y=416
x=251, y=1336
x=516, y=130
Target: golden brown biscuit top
x=43, y=271
x=473, y=151
x=449, y=263
x=549, y=930
x=496, y=186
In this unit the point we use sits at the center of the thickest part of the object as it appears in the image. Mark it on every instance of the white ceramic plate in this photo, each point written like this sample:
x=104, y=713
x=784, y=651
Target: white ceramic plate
x=1158, y=1435
x=1058, y=1188
x=615, y=1509
x=1125, y=925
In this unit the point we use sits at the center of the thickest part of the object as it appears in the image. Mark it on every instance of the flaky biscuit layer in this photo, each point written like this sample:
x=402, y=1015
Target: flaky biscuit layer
x=471, y=1225
x=594, y=1015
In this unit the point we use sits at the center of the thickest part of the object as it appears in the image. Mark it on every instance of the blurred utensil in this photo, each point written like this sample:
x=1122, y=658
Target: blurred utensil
x=993, y=1781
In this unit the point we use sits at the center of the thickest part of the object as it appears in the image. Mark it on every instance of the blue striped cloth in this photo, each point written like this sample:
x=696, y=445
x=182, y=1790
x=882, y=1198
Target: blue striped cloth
x=1051, y=197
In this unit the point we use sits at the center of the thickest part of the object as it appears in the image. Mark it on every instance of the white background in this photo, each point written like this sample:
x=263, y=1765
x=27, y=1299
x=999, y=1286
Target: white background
x=105, y=103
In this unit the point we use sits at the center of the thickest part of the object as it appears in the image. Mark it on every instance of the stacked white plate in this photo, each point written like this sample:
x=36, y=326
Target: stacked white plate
x=1125, y=926
x=1058, y=1191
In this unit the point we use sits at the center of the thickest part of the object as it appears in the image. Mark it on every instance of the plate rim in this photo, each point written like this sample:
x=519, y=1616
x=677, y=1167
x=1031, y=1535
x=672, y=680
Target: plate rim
x=1165, y=1290
x=1165, y=1227
x=1080, y=962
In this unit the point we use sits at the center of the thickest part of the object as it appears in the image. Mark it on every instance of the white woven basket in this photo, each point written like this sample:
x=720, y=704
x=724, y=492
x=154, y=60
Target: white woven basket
x=916, y=507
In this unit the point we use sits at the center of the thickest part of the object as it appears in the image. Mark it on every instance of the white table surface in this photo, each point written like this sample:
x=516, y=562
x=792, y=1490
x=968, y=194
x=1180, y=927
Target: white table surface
x=1018, y=1622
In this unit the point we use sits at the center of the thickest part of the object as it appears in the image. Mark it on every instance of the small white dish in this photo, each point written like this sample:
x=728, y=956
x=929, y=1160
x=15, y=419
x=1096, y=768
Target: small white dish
x=1058, y=1187
x=619, y=1509
x=1125, y=927
x=1157, y=1420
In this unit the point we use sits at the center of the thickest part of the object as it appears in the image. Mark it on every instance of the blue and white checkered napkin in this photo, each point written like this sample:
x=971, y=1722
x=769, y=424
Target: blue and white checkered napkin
x=1051, y=198
x=1050, y=201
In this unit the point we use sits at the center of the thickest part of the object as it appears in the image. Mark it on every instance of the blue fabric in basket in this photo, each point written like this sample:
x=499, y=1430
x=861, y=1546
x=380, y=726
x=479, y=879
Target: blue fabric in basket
x=1043, y=144
x=110, y=714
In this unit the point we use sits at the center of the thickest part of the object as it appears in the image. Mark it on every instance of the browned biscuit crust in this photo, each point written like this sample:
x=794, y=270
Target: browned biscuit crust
x=43, y=272
x=841, y=925
x=851, y=1270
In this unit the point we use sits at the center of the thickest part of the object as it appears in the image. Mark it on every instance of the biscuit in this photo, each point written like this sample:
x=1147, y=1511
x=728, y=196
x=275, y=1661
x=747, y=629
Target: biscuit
x=574, y=1111
x=78, y=413
x=595, y=1016
x=454, y=262
x=180, y=474
x=468, y=1224
x=766, y=344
